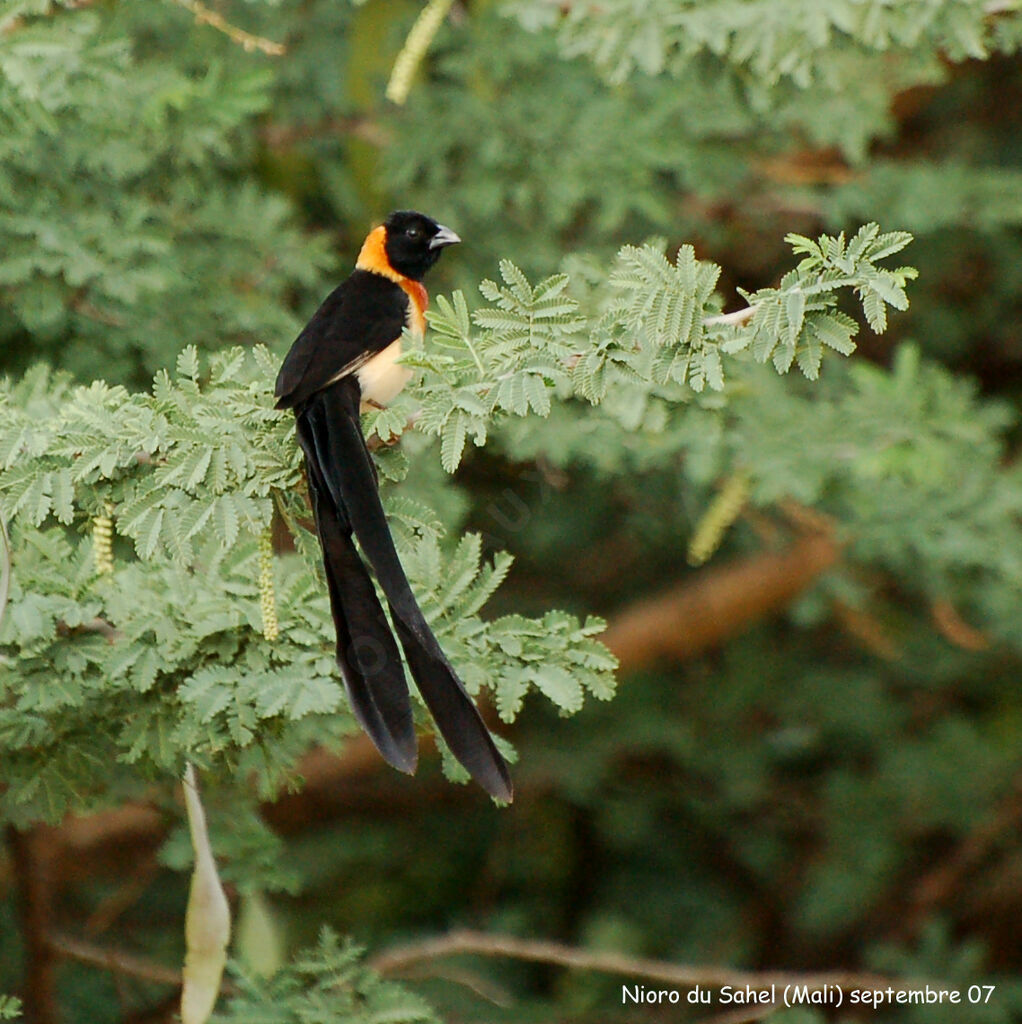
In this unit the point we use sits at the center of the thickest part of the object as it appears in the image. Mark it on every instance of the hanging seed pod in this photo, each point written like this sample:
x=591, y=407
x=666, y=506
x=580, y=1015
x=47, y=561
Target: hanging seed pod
x=718, y=518
x=267, y=593
x=103, y=541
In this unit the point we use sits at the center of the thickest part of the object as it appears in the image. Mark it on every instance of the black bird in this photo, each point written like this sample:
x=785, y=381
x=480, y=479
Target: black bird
x=343, y=360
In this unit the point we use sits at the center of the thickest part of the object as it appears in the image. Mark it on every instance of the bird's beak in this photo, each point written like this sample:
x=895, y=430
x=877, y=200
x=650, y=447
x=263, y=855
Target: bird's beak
x=445, y=236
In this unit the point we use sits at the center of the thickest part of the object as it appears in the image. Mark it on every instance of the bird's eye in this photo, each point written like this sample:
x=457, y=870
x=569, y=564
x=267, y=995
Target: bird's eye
x=413, y=232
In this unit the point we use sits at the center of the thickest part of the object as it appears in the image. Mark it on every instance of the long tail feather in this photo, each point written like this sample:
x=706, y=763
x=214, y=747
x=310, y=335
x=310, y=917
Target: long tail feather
x=456, y=715
x=366, y=652
x=349, y=479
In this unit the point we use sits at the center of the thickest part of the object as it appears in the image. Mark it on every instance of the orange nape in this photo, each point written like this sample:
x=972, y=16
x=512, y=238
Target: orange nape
x=373, y=257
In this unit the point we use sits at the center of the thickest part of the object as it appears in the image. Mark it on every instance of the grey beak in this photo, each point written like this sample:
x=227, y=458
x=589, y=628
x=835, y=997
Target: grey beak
x=445, y=236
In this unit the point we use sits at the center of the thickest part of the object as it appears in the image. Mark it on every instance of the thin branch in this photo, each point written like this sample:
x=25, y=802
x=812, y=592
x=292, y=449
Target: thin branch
x=123, y=898
x=205, y=16
x=867, y=629
x=97, y=625
x=735, y=319
x=400, y=958
x=106, y=843
x=807, y=167
x=109, y=843
x=955, y=629
x=114, y=960
x=80, y=303
x=280, y=136
x=474, y=982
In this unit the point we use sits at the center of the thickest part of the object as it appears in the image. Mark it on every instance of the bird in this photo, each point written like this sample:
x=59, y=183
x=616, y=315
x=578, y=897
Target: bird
x=343, y=361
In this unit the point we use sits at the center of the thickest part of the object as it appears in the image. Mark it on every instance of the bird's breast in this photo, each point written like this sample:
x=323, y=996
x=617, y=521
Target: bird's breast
x=381, y=378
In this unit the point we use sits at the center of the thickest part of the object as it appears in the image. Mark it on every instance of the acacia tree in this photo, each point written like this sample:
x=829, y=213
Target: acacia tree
x=165, y=191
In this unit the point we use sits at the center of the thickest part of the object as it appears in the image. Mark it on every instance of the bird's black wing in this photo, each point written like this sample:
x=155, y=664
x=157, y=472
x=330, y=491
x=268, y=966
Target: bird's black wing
x=340, y=464
x=359, y=318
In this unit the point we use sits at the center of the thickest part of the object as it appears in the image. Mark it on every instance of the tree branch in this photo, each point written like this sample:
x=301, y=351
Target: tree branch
x=955, y=629
x=113, y=960
x=400, y=958
x=718, y=603
x=97, y=625
x=280, y=136
x=735, y=319
x=205, y=16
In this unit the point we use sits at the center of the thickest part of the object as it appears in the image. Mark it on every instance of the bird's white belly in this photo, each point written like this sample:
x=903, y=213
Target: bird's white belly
x=381, y=378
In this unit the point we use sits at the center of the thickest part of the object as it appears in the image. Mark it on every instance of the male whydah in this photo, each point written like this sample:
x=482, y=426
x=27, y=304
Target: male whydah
x=342, y=360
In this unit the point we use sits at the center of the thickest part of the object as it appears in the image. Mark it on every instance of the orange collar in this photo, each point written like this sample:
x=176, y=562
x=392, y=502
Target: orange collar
x=373, y=257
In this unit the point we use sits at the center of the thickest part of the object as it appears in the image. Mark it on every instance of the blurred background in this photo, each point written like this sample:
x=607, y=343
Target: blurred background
x=813, y=758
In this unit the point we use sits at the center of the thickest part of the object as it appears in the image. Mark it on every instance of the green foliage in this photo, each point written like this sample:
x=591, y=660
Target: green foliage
x=329, y=984
x=10, y=1008
x=556, y=165
x=931, y=196
x=797, y=320
x=793, y=39
x=787, y=799
x=164, y=658
x=520, y=353
x=722, y=139
x=167, y=247
x=191, y=468
x=884, y=447
x=660, y=313
x=650, y=327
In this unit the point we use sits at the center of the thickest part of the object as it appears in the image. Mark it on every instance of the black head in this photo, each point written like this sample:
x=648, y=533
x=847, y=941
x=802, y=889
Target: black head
x=414, y=242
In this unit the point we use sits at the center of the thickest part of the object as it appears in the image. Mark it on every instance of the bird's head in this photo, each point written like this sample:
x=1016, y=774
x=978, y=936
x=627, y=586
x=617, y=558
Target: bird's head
x=413, y=242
